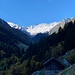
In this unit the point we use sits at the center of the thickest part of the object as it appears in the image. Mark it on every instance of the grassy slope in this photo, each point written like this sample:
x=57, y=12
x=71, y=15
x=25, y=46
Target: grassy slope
x=68, y=71
x=21, y=45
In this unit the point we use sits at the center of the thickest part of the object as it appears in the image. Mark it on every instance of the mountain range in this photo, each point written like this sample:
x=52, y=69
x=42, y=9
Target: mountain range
x=34, y=29
x=40, y=28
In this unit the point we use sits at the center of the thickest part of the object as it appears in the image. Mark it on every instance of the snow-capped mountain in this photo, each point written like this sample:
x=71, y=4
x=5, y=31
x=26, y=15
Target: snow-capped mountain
x=35, y=29
x=67, y=20
x=21, y=28
x=16, y=26
x=41, y=28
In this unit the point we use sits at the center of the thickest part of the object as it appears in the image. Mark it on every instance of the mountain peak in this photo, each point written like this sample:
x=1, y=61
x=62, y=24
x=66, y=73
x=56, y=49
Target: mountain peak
x=66, y=20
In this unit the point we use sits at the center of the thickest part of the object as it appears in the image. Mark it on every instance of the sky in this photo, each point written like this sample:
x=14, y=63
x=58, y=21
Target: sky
x=33, y=12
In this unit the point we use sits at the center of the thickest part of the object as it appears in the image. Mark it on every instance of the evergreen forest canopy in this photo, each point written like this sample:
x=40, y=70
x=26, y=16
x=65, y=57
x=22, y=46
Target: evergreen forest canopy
x=16, y=61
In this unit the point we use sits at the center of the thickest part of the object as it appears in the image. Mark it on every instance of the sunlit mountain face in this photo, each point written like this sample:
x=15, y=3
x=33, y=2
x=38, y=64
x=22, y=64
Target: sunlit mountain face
x=35, y=29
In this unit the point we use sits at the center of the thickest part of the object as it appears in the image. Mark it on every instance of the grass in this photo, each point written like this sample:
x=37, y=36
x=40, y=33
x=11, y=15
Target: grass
x=42, y=72
x=68, y=71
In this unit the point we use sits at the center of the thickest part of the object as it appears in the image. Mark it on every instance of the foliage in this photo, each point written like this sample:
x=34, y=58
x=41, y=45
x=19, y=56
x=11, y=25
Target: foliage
x=14, y=61
x=57, y=50
x=71, y=58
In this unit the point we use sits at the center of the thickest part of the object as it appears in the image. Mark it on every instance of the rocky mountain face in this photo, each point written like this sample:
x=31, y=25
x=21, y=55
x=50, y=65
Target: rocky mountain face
x=61, y=24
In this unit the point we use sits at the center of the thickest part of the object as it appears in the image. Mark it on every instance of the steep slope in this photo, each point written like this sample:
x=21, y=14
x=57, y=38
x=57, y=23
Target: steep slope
x=61, y=24
x=41, y=28
x=38, y=36
x=11, y=35
x=21, y=28
x=68, y=71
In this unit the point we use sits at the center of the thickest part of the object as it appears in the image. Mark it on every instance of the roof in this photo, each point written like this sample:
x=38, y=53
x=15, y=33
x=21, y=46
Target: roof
x=64, y=61
x=52, y=58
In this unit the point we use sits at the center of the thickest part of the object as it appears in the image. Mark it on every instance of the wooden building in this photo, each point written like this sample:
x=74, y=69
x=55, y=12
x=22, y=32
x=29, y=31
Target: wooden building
x=51, y=67
x=53, y=64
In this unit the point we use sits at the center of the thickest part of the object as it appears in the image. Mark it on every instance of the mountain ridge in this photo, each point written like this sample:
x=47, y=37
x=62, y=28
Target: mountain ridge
x=33, y=30
x=12, y=36
x=61, y=24
x=40, y=28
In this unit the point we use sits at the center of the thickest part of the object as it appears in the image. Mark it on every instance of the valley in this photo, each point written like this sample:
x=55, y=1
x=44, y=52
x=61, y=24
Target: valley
x=23, y=52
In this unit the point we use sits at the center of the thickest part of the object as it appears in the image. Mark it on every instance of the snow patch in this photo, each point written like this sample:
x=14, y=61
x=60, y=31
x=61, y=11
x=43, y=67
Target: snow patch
x=41, y=28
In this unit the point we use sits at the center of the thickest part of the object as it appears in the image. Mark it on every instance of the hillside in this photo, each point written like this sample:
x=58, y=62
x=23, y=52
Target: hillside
x=68, y=71
x=38, y=36
x=16, y=61
x=55, y=45
x=13, y=44
x=13, y=35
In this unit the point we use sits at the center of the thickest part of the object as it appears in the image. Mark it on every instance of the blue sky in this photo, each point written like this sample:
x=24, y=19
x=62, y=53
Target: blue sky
x=29, y=12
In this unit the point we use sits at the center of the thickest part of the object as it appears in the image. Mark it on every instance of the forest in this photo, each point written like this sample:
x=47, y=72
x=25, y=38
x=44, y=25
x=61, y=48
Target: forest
x=16, y=61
